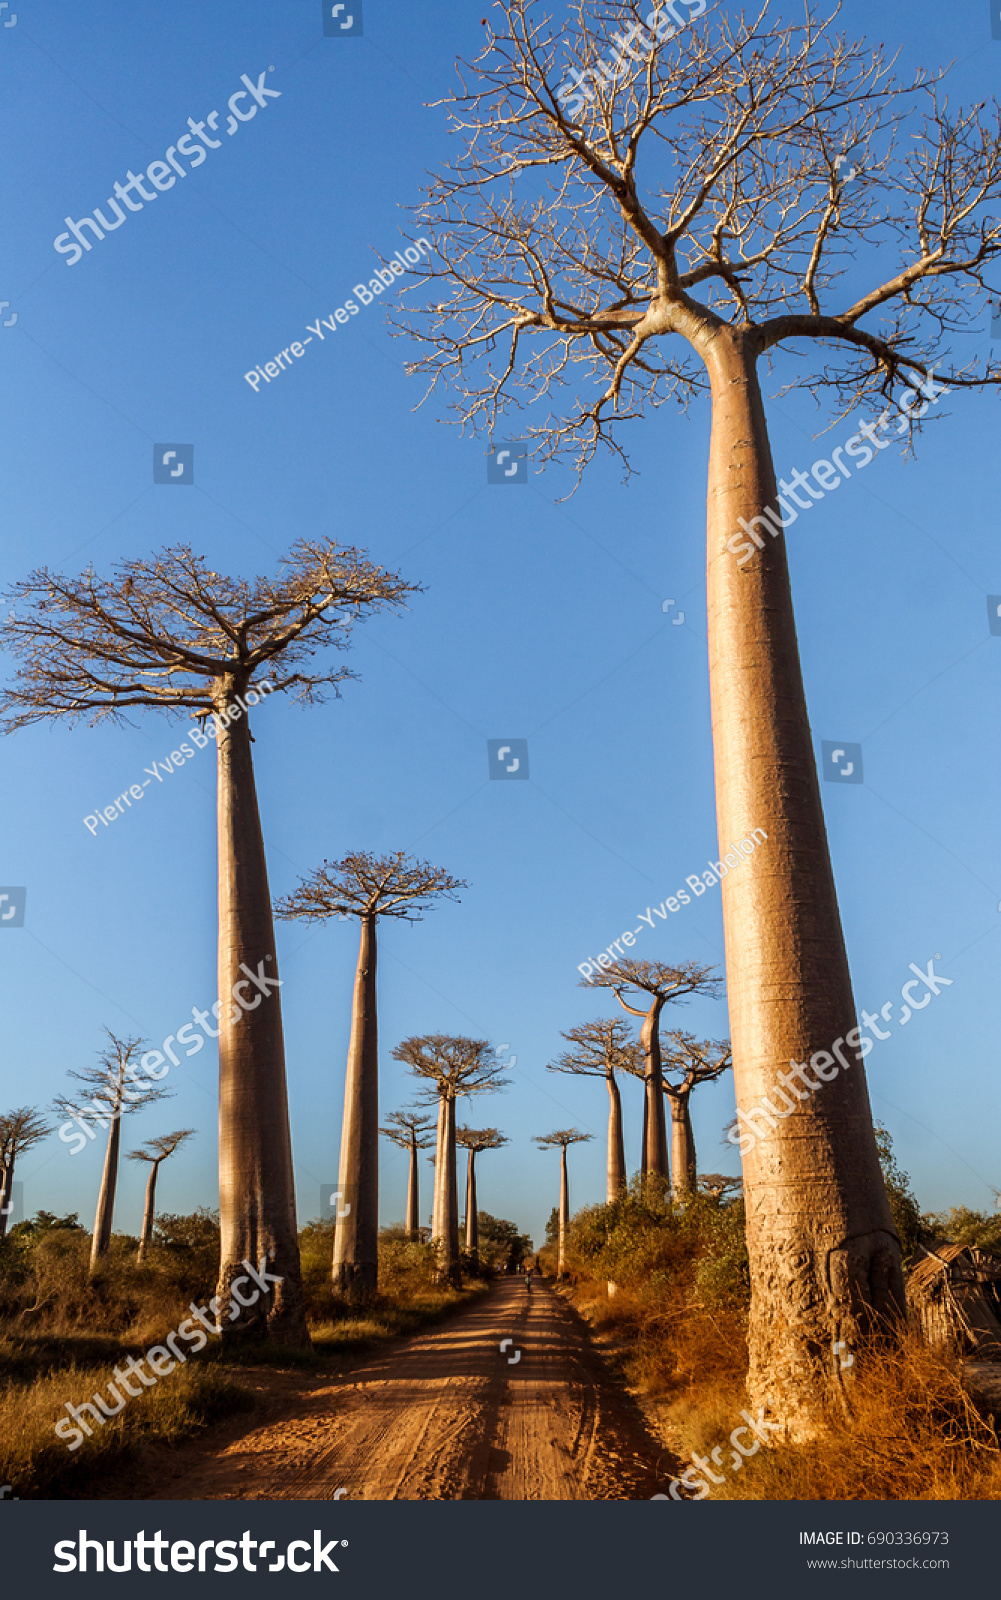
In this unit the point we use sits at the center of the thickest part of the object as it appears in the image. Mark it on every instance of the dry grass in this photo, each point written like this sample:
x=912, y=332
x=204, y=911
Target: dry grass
x=61, y=1337
x=676, y=1326
x=911, y=1433
x=38, y=1464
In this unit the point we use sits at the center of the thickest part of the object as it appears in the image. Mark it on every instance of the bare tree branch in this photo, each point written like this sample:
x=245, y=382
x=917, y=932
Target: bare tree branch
x=173, y=635
x=562, y=278
x=366, y=885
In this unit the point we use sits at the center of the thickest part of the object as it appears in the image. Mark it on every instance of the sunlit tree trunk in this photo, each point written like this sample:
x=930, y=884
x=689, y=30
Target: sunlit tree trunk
x=561, y=1254
x=413, y=1193
x=6, y=1189
x=472, y=1223
x=100, y=1245
x=615, y=1171
x=683, y=1170
x=356, y=1240
x=654, y=1162
x=437, y=1223
x=824, y=1256
x=147, y=1233
x=256, y=1189
x=448, y=1241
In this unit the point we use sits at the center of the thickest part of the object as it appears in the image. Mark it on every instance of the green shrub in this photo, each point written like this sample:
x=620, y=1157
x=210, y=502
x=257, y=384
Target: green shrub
x=963, y=1226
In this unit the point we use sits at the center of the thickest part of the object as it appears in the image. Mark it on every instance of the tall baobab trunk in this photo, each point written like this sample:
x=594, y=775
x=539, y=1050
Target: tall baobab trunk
x=683, y=1168
x=6, y=1189
x=824, y=1255
x=654, y=1162
x=256, y=1187
x=356, y=1241
x=437, y=1225
x=448, y=1218
x=413, y=1193
x=615, y=1170
x=147, y=1233
x=100, y=1244
x=564, y=1215
x=472, y=1225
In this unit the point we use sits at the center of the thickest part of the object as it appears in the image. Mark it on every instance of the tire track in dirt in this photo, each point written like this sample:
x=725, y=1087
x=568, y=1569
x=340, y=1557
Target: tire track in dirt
x=446, y=1415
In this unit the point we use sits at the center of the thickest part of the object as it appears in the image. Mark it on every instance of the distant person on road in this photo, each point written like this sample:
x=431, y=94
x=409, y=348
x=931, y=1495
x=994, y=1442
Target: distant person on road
x=528, y=1281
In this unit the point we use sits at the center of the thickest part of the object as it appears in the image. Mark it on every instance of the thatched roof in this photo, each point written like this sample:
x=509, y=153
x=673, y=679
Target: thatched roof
x=954, y=1293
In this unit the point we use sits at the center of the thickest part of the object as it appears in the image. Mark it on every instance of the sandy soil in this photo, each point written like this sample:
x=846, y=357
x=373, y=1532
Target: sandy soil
x=447, y=1415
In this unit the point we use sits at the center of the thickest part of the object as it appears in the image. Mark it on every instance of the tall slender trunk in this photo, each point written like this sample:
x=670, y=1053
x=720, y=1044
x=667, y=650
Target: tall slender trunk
x=825, y=1259
x=654, y=1163
x=615, y=1170
x=438, y=1226
x=413, y=1193
x=100, y=1245
x=6, y=1189
x=147, y=1233
x=356, y=1239
x=448, y=1240
x=472, y=1221
x=256, y=1188
x=683, y=1169
x=561, y=1254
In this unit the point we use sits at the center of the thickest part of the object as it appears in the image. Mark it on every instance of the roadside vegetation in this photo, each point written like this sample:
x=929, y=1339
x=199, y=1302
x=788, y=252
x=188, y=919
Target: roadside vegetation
x=666, y=1288
x=63, y=1332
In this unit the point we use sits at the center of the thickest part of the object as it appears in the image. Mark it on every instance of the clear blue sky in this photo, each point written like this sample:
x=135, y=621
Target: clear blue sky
x=539, y=621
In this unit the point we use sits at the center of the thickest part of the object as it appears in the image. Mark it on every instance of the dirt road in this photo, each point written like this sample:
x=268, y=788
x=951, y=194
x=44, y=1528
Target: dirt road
x=448, y=1415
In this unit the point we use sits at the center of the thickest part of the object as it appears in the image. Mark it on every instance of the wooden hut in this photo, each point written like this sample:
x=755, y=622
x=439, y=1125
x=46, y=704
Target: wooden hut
x=954, y=1296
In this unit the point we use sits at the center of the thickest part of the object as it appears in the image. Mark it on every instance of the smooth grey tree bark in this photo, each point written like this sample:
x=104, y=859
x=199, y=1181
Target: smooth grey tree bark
x=356, y=1240
x=257, y=1215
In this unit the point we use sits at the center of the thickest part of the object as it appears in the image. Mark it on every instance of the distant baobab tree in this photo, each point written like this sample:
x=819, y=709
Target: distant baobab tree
x=115, y=1089
x=367, y=887
x=601, y=1049
x=741, y=190
x=19, y=1130
x=473, y=1141
x=172, y=635
x=660, y=983
x=719, y=1185
x=451, y=1066
x=155, y=1151
x=562, y=1138
x=692, y=1061
x=410, y=1131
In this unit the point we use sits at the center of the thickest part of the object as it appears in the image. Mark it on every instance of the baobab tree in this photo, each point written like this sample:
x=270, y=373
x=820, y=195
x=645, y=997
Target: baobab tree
x=367, y=887
x=474, y=1141
x=660, y=983
x=451, y=1066
x=687, y=204
x=19, y=1130
x=155, y=1151
x=601, y=1049
x=171, y=635
x=719, y=1185
x=117, y=1087
x=409, y=1130
x=563, y=1138
x=690, y=1061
